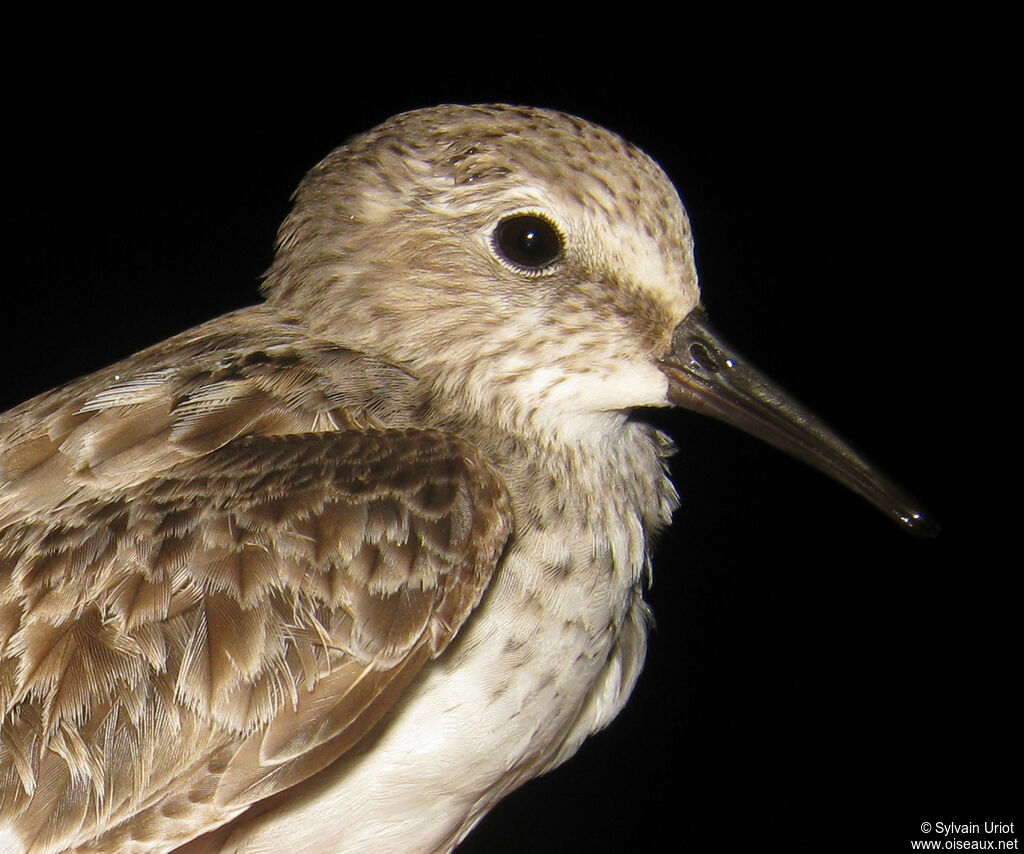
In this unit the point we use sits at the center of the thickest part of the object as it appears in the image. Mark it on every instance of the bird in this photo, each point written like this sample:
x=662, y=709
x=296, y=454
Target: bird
x=339, y=571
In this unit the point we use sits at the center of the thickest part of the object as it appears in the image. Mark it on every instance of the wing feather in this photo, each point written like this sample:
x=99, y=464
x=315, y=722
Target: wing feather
x=198, y=612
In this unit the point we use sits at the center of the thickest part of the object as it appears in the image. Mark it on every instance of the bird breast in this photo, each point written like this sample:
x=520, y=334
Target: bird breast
x=550, y=657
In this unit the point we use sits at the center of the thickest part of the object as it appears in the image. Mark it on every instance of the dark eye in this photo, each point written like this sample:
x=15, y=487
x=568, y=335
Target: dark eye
x=527, y=241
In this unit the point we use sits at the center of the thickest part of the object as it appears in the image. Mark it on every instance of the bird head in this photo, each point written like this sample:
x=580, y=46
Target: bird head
x=534, y=268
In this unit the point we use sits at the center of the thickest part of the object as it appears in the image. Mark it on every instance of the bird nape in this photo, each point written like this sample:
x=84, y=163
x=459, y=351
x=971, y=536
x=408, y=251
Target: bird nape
x=337, y=572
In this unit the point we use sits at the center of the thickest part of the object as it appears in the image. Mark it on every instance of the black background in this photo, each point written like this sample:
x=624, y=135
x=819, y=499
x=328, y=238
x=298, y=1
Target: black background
x=818, y=681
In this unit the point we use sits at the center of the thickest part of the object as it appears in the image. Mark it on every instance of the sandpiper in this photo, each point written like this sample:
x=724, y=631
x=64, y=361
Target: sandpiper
x=337, y=572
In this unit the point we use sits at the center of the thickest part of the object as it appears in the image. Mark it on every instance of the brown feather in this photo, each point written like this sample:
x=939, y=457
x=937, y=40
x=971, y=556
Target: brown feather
x=194, y=614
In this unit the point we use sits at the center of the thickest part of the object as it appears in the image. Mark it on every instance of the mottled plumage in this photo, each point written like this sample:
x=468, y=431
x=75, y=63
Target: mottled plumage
x=338, y=572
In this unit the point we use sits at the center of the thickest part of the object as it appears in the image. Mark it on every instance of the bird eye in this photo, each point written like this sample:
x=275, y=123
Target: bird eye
x=528, y=242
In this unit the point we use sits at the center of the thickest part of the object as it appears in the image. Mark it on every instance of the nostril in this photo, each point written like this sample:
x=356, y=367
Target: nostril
x=703, y=357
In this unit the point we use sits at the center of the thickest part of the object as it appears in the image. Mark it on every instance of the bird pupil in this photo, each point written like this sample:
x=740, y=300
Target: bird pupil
x=528, y=241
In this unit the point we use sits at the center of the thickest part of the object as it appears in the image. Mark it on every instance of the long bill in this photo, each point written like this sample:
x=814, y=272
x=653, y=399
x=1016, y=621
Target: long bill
x=706, y=375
